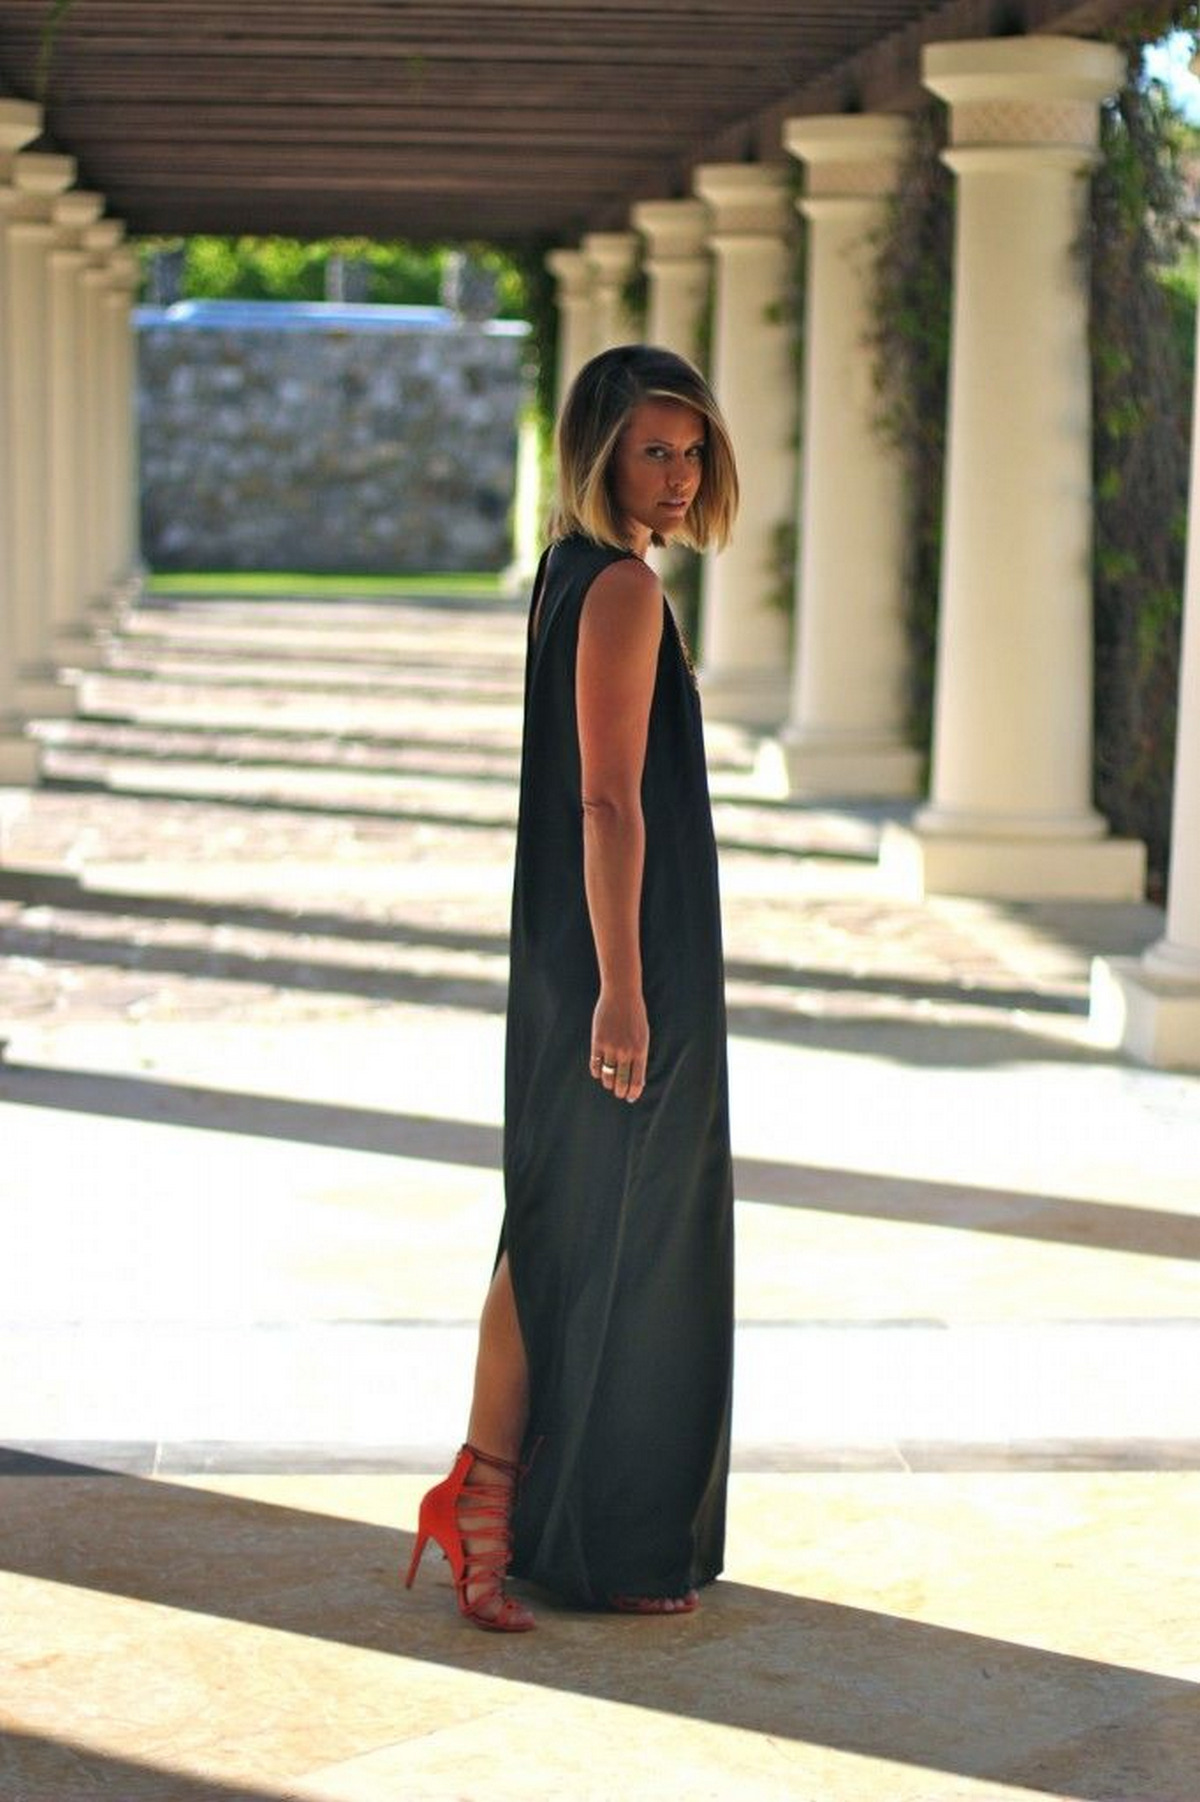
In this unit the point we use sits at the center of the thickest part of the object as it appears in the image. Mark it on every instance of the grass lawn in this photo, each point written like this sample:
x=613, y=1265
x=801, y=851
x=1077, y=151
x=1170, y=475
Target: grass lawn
x=299, y=584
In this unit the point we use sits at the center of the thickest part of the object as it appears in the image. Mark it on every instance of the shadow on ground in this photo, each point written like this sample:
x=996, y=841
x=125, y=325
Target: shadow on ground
x=1100, y=1226
x=849, y=1678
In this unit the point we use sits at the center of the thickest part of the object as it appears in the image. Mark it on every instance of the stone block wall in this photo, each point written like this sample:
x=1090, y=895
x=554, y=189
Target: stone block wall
x=366, y=439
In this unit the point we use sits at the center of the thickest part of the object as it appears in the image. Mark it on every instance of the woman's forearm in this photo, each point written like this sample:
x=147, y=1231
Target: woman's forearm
x=614, y=845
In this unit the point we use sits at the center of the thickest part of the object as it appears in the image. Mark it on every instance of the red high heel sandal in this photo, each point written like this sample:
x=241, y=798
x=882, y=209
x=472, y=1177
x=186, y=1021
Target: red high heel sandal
x=487, y=1511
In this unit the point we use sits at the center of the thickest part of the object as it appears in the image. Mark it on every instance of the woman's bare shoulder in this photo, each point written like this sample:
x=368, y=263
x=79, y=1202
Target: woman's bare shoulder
x=626, y=591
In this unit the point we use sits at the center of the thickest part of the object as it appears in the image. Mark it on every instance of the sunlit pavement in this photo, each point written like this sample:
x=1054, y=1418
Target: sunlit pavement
x=252, y=1012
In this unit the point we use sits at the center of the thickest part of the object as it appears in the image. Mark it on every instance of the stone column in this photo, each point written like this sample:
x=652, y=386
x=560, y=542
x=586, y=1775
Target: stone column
x=20, y=123
x=576, y=327
x=39, y=180
x=743, y=630
x=679, y=277
x=845, y=732
x=1010, y=812
x=95, y=382
x=528, y=536
x=678, y=270
x=612, y=258
x=121, y=508
x=75, y=646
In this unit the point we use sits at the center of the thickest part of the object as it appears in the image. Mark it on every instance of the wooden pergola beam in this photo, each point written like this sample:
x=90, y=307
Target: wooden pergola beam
x=506, y=119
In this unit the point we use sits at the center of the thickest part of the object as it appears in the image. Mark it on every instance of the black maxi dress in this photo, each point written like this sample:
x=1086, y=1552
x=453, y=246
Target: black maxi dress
x=618, y=1216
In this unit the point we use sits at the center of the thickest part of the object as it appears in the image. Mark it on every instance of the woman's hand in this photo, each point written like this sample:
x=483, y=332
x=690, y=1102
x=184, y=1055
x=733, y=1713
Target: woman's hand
x=620, y=1044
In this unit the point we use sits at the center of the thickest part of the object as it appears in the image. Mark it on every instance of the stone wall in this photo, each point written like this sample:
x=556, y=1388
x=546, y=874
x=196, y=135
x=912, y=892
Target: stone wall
x=326, y=437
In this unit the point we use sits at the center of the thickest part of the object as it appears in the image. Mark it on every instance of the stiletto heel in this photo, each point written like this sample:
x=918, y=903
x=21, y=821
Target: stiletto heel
x=414, y=1562
x=478, y=1571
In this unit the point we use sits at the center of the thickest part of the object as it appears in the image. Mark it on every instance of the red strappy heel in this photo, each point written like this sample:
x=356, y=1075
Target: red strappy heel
x=488, y=1509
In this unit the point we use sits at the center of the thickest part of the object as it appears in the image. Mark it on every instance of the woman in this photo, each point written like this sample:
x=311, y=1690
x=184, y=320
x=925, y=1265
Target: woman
x=603, y=1375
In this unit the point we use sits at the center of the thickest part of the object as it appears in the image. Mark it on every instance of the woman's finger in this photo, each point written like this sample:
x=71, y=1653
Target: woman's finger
x=623, y=1074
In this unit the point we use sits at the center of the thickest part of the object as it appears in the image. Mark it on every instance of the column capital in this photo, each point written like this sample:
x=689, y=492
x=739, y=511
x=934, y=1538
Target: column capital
x=20, y=123
x=1022, y=94
x=746, y=200
x=849, y=155
x=674, y=230
x=124, y=271
x=43, y=174
x=103, y=237
x=611, y=254
x=573, y=273
x=38, y=179
x=74, y=212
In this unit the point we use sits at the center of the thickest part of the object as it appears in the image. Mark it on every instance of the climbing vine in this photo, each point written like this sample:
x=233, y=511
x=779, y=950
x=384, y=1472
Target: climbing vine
x=56, y=18
x=911, y=345
x=1141, y=335
x=635, y=297
x=539, y=306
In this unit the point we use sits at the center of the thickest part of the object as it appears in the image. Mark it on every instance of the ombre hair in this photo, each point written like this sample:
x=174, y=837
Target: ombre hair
x=597, y=409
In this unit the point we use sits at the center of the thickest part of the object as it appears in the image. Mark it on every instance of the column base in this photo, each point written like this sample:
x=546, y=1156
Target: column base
x=1155, y=1018
x=745, y=697
x=916, y=864
x=516, y=579
x=18, y=757
x=103, y=611
x=77, y=649
x=867, y=770
x=45, y=697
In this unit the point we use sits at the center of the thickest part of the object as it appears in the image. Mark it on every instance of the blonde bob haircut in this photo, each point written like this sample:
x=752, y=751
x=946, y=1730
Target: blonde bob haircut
x=597, y=409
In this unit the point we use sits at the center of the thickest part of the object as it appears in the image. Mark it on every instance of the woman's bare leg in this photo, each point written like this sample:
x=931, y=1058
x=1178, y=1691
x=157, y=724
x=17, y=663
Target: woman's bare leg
x=500, y=1406
x=500, y=1409
x=499, y=1412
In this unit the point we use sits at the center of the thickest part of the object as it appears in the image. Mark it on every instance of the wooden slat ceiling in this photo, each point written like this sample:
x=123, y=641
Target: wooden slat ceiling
x=446, y=119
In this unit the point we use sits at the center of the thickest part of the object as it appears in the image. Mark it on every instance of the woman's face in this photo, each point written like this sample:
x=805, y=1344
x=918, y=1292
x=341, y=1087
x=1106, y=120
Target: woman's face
x=657, y=468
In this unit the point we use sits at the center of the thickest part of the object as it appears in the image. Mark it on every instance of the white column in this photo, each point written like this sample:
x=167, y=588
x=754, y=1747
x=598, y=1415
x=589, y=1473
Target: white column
x=121, y=501
x=20, y=123
x=75, y=644
x=527, y=524
x=612, y=258
x=576, y=327
x=1010, y=812
x=1150, y=1006
x=679, y=280
x=678, y=270
x=39, y=179
x=743, y=630
x=99, y=242
x=845, y=732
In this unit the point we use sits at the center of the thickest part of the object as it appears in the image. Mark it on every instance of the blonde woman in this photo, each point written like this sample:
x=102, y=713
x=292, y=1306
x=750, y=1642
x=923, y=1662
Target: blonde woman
x=598, y=1444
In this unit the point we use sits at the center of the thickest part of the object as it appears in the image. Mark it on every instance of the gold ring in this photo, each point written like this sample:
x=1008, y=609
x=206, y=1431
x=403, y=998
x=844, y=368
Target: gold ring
x=608, y=1069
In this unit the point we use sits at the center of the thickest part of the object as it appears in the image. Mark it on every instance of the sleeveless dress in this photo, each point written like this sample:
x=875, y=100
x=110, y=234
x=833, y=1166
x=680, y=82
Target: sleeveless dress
x=618, y=1217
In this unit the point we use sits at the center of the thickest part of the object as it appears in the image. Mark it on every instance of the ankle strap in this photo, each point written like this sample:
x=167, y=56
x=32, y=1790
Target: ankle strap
x=482, y=1457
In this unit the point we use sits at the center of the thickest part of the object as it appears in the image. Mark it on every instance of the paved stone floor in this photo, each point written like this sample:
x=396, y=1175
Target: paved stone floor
x=251, y=1019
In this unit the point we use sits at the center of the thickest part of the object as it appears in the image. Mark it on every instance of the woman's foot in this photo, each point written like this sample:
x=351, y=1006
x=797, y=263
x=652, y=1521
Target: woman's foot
x=469, y=1516
x=684, y=1604
x=482, y=1512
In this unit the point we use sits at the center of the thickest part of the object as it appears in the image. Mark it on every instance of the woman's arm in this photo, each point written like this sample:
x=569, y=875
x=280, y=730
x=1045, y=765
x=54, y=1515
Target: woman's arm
x=620, y=629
